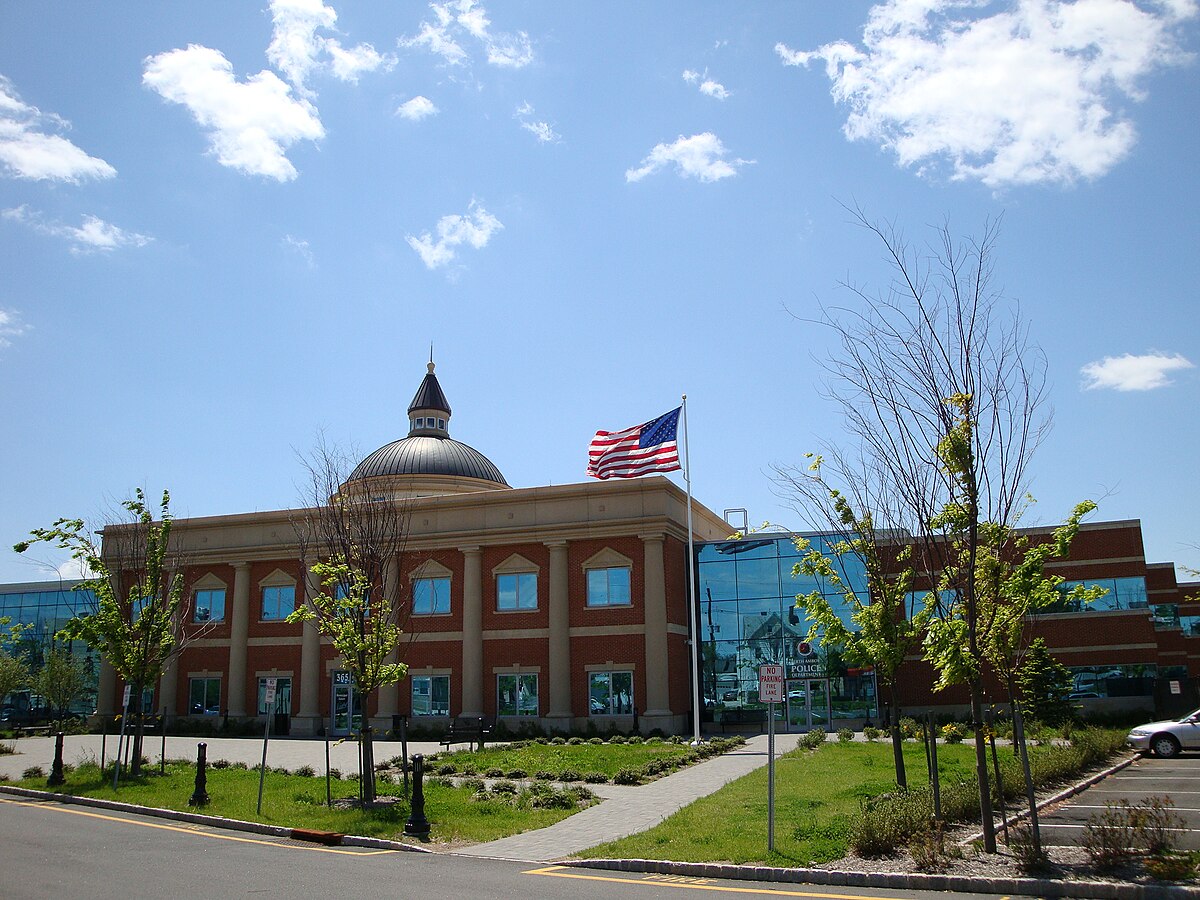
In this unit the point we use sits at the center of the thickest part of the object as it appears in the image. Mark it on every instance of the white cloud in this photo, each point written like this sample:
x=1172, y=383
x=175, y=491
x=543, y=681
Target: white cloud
x=301, y=248
x=75, y=569
x=475, y=228
x=11, y=326
x=706, y=85
x=466, y=18
x=417, y=109
x=1133, y=373
x=543, y=131
x=94, y=235
x=26, y=151
x=1031, y=93
x=297, y=50
x=700, y=156
x=251, y=123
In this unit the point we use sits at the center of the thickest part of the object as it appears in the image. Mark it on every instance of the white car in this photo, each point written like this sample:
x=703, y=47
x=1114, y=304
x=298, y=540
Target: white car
x=1167, y=738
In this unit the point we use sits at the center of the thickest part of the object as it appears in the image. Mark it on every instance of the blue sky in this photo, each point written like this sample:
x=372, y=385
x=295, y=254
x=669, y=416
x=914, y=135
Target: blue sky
x=225, y=227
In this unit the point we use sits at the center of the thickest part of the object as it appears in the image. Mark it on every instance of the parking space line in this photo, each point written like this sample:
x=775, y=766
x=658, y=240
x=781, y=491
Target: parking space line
x=193, y=830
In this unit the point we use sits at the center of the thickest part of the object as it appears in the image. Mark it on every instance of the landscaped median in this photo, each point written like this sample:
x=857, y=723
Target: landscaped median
x=495, y=793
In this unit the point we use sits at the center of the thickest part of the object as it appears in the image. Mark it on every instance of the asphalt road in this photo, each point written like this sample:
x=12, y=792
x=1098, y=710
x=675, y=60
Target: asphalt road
x=52, y=850
x=1178, y=779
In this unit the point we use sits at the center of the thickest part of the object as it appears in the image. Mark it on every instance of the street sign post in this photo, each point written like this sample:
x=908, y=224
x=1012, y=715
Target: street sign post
x=269, y=709
x=770, y=691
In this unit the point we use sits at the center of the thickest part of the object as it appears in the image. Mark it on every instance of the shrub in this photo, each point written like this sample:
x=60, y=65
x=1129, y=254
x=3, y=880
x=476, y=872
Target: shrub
x=575, y=741
x=813, y=739
x=543, y=775
x=954, y=732
x=34, y=772
x=636, y=739
x=617, y=739
x=335, y=773
x=544, y=797
x=628, y=776
x=447, y=768
x=580, y=793
x=845, y=735
x=238, y=765
x=1157, y=824
x=595, y=777
x=305, y=771
x=1108, y=837
x=469, y=770
x=654, y=740
x=569, y=775
x=928, y=849
x=504, y=787
x=494, y=772
x=7, y=748
x=516, y=773
x=910, y=728
x=1172, y=867
x=558, y=741
x=1030, y=859
x=871, y=733
x=596, y=740
x=220, y=764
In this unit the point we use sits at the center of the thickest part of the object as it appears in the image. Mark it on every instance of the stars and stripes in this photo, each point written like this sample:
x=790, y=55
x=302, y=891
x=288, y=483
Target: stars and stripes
x=649, y=447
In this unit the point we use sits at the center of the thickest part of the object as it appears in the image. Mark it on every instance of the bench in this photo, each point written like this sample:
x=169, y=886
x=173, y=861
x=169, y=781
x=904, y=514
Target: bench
x=467, y=730
x=23, y=730
x=742, y=719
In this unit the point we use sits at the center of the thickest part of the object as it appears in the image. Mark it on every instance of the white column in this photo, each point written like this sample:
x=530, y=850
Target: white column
x=167, y=687
x=472, y=664
x=560, y=638
x=309, y=715
x=239, y=625
x=658, y=695
x=389, y=694
x=106, y=692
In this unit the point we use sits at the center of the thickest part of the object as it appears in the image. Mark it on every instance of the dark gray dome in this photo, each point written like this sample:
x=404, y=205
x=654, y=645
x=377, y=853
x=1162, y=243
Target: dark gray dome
x=425, y=455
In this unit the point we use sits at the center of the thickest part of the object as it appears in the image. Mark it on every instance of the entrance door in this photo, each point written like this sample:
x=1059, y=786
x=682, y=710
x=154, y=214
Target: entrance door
x=346, y=706
x=807, y=704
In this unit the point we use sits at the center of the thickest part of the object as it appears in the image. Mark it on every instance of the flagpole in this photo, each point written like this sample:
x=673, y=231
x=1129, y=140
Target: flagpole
x=691, y=567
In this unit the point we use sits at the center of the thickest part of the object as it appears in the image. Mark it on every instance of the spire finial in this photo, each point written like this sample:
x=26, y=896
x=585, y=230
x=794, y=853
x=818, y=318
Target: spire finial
x=430, y=366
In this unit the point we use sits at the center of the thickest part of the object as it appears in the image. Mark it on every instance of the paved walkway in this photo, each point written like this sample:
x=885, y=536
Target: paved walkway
x=627, y=810
x=288, y=753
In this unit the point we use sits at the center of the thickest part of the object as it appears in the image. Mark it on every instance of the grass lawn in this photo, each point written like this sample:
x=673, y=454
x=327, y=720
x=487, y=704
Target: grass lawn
x=534, y=757
x=816, y=797
x=299, y=802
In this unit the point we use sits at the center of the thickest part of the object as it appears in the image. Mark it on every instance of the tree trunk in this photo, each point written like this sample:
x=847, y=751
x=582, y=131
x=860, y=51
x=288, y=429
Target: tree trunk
x=897, y=738
x=368, y=763
x=981, y=770
x=1035, y=827
x=135, y=764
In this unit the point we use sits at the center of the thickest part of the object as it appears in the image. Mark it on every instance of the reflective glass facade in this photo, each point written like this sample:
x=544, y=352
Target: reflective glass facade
x=747, y=618
x=46, y=609
x=1123, y=593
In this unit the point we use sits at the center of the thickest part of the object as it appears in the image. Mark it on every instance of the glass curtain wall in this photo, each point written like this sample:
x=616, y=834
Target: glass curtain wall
x=45, y=610
x=747, y=617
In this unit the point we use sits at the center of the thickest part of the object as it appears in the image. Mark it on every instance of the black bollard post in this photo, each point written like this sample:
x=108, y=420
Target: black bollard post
x=417, y=824
x=200, y=795
x=56, y=771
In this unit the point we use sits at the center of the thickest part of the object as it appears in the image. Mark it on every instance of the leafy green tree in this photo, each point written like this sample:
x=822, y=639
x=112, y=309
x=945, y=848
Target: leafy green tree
x=884, y=626
x=1045, y=685
x=14, y=674
x=137, y=621
x=61, y=680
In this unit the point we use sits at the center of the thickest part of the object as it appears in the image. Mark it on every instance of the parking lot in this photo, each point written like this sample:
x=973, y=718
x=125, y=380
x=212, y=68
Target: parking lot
x=1177, y=778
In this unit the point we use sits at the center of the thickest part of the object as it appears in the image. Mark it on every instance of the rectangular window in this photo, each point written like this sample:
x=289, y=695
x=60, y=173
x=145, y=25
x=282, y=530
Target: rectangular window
x=431, y=695
x=204, y=696
x=517, y=695
x=283, y=696
x=278, y=603
x=431, y=596
x=608, y=587
x=209, y=606
x=517, y=591
x=610, y=693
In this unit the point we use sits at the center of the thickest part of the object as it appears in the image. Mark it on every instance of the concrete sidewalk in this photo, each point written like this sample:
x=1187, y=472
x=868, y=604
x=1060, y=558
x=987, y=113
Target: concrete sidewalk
x=627, y=810
x=284, y=752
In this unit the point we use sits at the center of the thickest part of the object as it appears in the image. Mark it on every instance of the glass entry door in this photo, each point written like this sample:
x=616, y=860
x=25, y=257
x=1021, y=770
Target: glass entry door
x=807, y=704
x=345, y=706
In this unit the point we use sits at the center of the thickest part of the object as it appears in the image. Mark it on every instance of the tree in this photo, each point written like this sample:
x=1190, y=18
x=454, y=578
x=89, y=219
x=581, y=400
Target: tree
x=137, y=620
x=886, y=624
x=943, y=392
x=353, y=541
x=61, y=680
x=1045, y=685
x=14, y=673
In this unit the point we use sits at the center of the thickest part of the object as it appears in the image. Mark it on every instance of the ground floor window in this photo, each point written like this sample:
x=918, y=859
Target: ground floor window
x=283, y=696
x=431, y=695
x=1136, y=680
x=610, y=693
x=204, y=696
x=517, y=695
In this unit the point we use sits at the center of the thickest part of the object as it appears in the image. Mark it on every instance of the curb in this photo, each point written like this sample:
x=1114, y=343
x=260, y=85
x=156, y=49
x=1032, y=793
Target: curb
x=280, y=831
x=1088, y=890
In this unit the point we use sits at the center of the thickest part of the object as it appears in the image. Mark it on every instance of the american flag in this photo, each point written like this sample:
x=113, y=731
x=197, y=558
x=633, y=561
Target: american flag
x=640, y=450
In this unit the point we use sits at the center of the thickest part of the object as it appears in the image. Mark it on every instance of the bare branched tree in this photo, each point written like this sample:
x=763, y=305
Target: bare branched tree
x=944, y=395
x=352, y=542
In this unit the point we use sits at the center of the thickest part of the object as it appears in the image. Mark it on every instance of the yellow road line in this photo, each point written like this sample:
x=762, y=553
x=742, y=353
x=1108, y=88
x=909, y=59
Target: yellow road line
x=695, y=884
x=192, y=829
